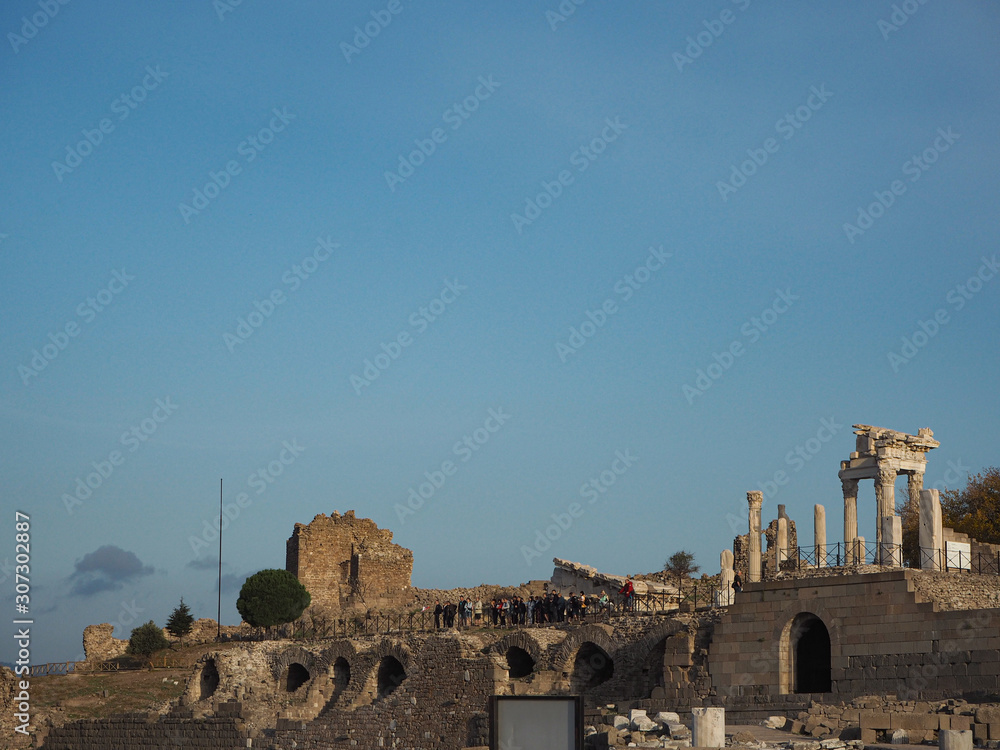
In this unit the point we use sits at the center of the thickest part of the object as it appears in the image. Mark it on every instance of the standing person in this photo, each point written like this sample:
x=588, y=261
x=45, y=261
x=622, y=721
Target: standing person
x=529, y=610
x=737, y=583
x=503, y=607
x=495, y=611
x=627, y=590
x=477, y=612
x=583, y=606
x=438, y=611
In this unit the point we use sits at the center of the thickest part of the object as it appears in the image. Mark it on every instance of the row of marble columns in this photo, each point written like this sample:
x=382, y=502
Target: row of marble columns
x=889, y=533
x=885, y=500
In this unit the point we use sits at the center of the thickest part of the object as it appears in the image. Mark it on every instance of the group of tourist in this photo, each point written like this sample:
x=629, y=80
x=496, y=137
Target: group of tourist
x=504, y=612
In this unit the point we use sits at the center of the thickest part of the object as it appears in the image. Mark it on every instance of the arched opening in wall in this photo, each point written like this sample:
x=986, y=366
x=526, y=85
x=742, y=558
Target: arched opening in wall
x=296, y=676
x=208, y=680
x=341, y=674
x=390, y=675
x=591, y=667
x=519, y=662
x=654, y=669
x=809, y=652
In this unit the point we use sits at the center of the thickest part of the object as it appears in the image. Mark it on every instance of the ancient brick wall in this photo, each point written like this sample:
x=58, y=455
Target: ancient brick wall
x=349, y=563
x=883, y=638
x=151, y=732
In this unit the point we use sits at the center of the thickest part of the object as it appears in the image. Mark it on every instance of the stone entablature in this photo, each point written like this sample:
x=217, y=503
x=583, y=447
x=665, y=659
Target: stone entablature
x=349, y=563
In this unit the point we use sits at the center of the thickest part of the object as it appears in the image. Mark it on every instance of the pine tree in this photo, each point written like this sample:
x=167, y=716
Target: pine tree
x=179, y=624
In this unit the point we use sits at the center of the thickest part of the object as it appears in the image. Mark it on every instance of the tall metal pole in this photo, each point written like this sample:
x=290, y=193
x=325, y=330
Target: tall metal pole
x=218, y=635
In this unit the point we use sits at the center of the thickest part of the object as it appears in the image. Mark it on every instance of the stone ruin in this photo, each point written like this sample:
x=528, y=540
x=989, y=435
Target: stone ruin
x=818, y=641
x=882, y=454
x=348, y=563
x=570, y=576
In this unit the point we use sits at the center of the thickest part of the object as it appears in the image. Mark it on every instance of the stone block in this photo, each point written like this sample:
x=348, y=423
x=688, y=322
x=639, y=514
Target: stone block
x=961, y=722
x=987, y=715
x=709, y=727
x=874, y=720
x=955, y=739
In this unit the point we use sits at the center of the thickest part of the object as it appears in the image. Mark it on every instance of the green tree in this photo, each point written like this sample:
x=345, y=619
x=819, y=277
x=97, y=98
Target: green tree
x=272, y=597
x=146, y=640
x=680, y=564
x=975, y=510
x=180, y=621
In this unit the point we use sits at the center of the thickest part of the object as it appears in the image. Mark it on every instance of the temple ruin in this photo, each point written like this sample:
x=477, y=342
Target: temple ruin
x=882, y=455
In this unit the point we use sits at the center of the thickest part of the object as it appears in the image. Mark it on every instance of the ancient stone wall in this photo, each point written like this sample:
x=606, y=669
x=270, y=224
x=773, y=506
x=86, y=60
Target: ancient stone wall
x=149, y=731
x=884, y=637
x=349, y=563
x=427, y=690
x=99, y=643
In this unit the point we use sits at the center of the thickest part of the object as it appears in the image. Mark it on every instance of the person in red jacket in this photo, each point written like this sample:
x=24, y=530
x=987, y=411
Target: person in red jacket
x=627, y=590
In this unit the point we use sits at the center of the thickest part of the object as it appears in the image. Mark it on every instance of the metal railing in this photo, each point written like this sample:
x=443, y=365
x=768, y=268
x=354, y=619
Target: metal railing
x=697, y=595
x=845, y=554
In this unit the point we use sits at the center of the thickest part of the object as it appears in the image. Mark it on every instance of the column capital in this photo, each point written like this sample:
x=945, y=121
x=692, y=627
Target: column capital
x=850, y=487
x=755, y=499
x=887, y=475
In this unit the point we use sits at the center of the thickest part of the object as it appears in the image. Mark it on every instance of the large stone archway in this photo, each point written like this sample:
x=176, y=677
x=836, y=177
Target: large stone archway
x=806, y=663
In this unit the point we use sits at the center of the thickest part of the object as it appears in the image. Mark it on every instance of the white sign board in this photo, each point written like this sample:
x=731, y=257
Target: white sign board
x=958, y=555
x=536, y=723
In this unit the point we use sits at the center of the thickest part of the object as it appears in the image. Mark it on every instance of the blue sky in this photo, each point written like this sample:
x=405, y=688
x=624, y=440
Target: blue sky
x=215, y=218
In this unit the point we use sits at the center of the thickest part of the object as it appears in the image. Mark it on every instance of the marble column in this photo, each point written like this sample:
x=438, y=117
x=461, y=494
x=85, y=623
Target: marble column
x=931, y=533
x=780, y=544
x=755, y=500
x=892, y=541
x=725, y=594
x=819, y=534
x=850, y=487
x=885, y=500
x=914, y=485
